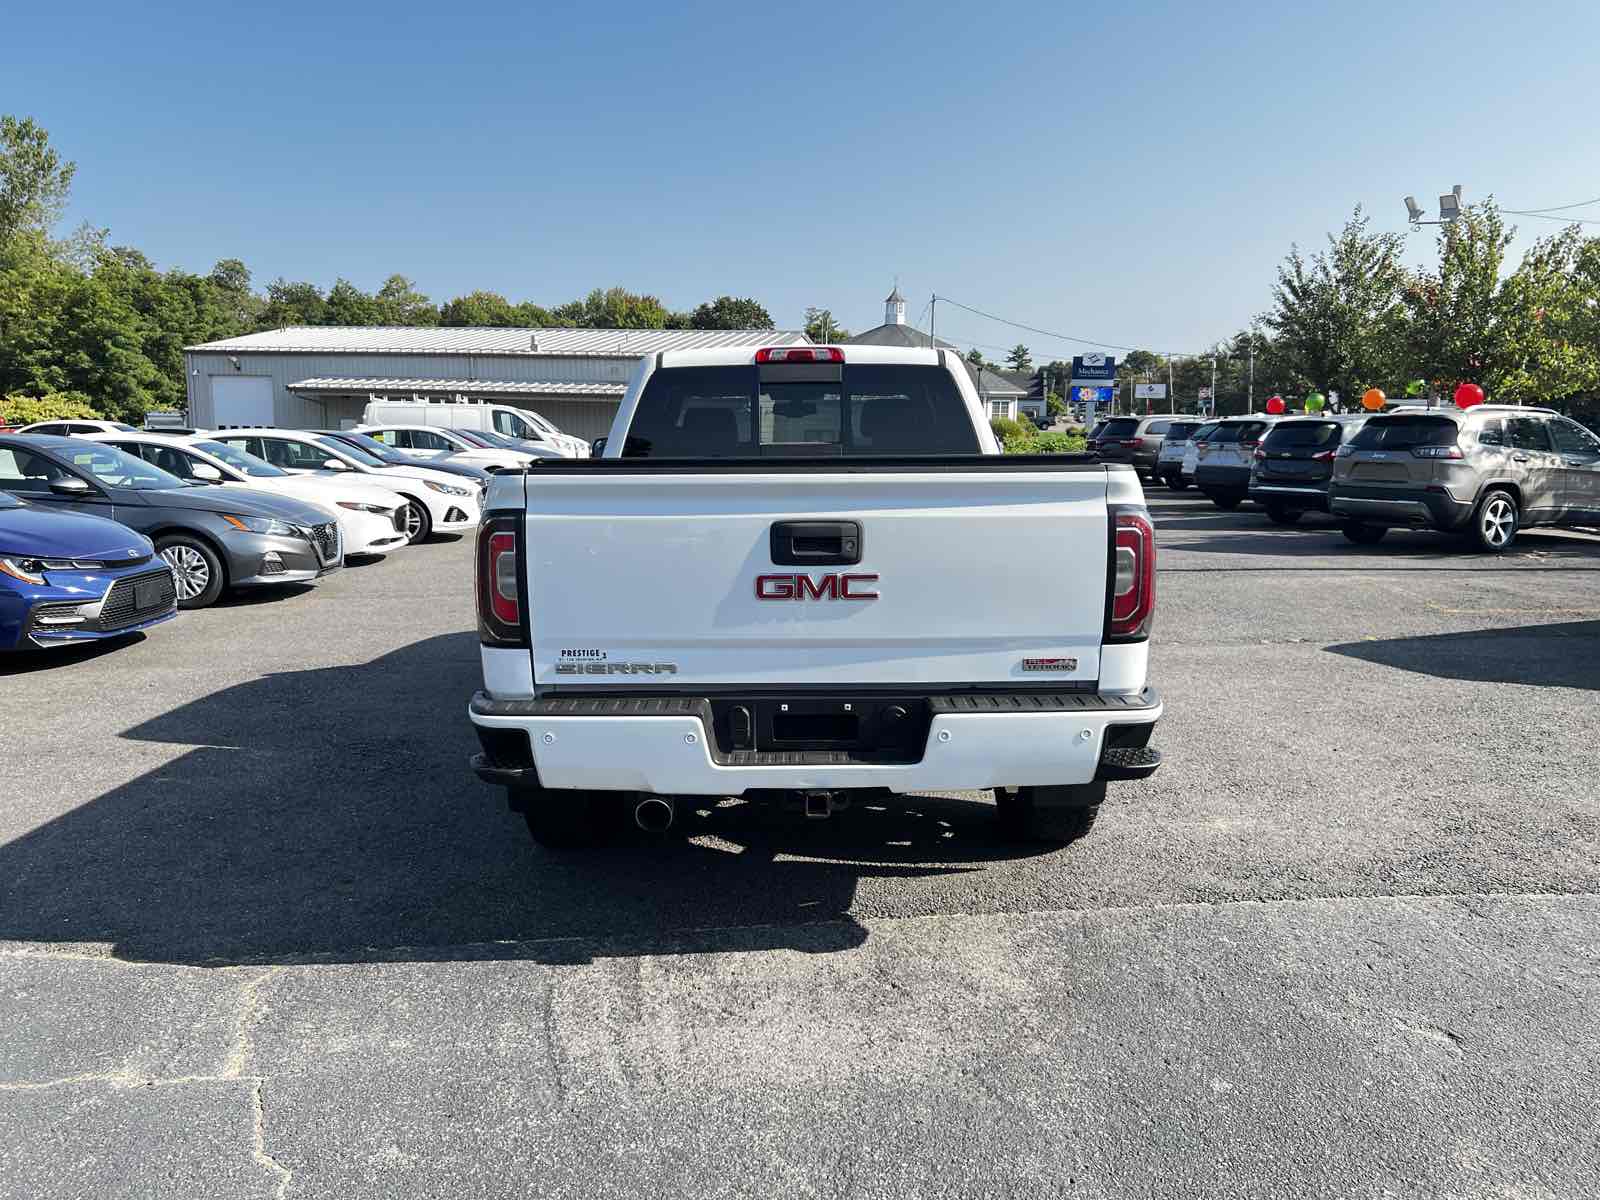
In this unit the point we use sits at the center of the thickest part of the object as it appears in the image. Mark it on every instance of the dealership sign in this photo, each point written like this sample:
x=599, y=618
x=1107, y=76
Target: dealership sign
x=1087, y=368
x=1149, y=391
x=1090, y=395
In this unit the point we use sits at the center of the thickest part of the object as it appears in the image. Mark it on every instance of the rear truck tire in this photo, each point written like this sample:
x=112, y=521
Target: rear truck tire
x=1279, y=515
x=419, y=522
x=1495, y=522
x=196, y=569
x=568, y=820
x=1049, y=814
x=1363, y=534
x=1226, y=503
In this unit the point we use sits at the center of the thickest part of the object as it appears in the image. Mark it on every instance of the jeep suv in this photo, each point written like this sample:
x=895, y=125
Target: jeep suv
x=1294, y=464
x=1225, y=458
x=1485, y=472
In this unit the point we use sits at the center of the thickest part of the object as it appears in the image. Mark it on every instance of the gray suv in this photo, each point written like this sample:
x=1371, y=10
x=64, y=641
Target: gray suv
x=1136, y=441
x=1485, y=472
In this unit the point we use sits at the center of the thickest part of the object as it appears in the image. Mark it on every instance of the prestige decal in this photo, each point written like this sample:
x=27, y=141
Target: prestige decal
x=803, y=587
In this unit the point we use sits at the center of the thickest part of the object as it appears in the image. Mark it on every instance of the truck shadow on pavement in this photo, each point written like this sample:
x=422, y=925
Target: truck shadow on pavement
x=329, y=815
x=1556, y=655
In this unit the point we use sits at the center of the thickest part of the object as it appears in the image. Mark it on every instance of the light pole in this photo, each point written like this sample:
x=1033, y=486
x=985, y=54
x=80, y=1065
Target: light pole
x=1449, y=209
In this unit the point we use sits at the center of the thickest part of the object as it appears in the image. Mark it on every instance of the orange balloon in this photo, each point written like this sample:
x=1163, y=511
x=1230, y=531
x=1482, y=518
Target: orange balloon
x=1373, y=399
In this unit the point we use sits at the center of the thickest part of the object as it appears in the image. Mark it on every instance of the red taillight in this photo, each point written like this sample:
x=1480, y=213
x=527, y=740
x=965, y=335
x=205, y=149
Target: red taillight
x=1259, y=453
x=499, y=584
x=1325, y=456
x=800, y=354
x=1249, y=445
x=503, y=577
x=1436, y=452
x=1133, y=575
x=1132, y=443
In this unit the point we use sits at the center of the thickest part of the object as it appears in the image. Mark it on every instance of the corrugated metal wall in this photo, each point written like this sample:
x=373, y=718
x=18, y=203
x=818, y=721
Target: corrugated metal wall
x=581, y=418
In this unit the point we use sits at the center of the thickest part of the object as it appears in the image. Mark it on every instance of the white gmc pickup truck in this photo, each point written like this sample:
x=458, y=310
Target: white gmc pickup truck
x=805, y=574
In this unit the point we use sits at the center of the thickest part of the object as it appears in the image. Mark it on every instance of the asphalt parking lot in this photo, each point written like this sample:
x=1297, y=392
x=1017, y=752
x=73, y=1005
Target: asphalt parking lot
x=262, y=934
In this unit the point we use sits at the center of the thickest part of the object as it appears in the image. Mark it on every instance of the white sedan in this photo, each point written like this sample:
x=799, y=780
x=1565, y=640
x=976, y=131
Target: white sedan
x=370, y=521
x=437, y=501
x=423, y=442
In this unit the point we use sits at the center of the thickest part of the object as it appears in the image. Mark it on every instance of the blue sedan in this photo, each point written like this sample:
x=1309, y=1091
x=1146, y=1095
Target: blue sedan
x=66, y=577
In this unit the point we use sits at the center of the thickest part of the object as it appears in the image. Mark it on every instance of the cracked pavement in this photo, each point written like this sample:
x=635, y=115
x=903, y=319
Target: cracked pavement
x=261, y=934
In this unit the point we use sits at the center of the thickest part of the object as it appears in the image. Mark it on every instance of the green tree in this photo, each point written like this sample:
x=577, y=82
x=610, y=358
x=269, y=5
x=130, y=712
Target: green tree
x=975, y=357
x=479, y=308
x=612, y=308
x=237, y=307
x=398, y=302
x=349, y=305
x=292, y=304
x=1055, y=407
x=728, y=312
x=1019, y=359
x=34, y=182
x=1336, y=317
x=821, y=327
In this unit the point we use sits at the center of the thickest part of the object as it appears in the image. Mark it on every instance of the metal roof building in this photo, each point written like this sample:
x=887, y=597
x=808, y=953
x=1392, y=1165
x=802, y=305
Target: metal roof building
x=324, y=375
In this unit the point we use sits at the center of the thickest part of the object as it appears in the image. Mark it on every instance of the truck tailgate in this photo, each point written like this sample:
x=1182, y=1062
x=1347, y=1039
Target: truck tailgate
x=643, y=577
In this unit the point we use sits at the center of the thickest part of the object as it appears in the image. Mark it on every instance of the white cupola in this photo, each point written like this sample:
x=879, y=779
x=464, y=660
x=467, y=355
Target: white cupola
x=894, y=308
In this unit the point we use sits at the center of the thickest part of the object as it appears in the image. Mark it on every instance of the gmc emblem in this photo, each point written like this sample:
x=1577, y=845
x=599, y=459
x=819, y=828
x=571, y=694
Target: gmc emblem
x=803, y=587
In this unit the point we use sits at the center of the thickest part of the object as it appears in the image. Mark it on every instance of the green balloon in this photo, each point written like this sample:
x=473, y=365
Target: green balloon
x=1314, y=402
x=1416, y=387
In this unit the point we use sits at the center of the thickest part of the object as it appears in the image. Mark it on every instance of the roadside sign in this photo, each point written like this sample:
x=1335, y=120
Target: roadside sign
x=1091, y=395
x=1088, y=368
x=1149, y=391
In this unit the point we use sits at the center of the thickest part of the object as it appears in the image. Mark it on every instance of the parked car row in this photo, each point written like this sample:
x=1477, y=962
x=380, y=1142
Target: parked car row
x=106, y=530
x=1483, y=473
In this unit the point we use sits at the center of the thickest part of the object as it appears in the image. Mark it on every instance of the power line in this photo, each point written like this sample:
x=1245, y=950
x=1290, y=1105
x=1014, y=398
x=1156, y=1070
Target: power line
x=1534, y=212
x=1538, y=216
x=1063, y=337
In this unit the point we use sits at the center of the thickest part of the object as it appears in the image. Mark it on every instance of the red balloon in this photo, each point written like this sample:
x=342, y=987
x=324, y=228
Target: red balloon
x=1468, y=394
x=1275, y=405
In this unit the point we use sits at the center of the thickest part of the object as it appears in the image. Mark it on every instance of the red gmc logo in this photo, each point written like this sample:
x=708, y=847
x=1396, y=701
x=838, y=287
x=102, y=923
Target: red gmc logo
x=803, y=587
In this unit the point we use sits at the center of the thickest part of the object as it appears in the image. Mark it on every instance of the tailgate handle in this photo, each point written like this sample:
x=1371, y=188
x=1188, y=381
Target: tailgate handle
x=816, y=543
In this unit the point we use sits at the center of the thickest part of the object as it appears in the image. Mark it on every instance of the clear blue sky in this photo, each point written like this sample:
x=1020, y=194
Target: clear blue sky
x=1131, y=173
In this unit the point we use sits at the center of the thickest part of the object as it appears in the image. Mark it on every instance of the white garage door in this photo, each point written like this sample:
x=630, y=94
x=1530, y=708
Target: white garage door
x=240, y=400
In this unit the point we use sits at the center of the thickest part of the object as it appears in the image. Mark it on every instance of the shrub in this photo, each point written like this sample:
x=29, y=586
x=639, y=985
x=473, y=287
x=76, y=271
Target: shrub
x=1047, y=443
x=1008, y=430
x=55, y=406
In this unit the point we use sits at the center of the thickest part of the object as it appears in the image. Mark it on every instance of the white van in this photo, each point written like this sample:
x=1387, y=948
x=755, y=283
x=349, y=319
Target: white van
x=493, y=418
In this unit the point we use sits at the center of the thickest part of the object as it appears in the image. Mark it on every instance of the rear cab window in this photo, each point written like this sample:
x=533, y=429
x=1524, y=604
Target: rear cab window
x=1120, y=428
x=1180, y=431
x=783, y=410
x=1405, y=432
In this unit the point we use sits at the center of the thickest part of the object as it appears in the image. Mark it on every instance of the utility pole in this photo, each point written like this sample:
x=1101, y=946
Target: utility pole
x=1171, y=396
x=1213, y=382
x=933, y=312
x=1252, y=398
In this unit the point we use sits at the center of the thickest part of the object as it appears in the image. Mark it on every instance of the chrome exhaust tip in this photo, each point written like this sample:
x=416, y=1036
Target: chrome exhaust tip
x=654, y=814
